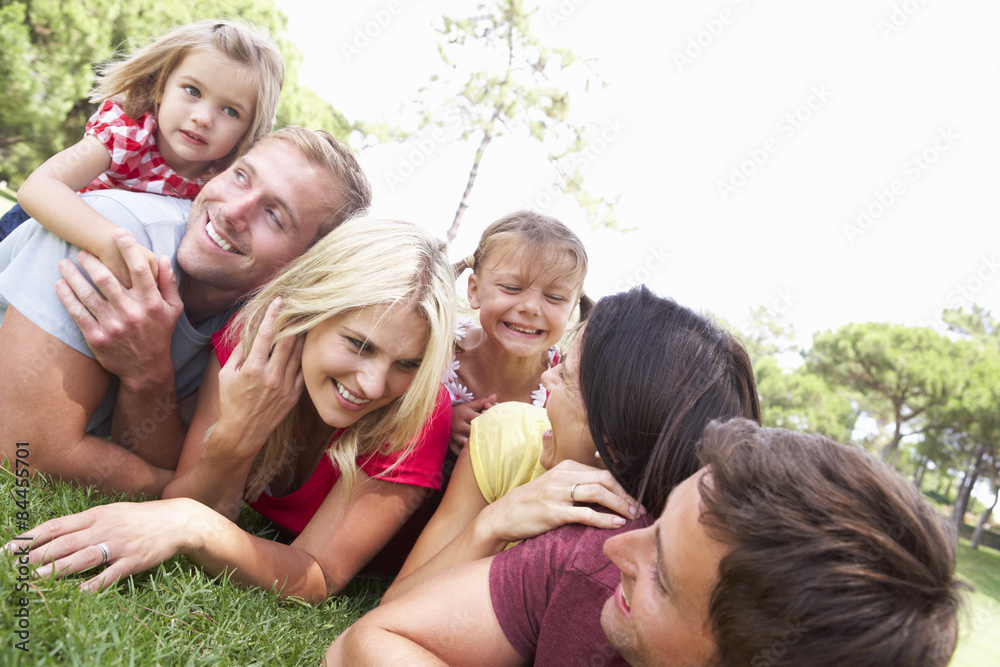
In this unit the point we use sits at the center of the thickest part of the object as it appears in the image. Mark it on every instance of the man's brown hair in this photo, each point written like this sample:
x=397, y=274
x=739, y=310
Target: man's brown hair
x=835, y=559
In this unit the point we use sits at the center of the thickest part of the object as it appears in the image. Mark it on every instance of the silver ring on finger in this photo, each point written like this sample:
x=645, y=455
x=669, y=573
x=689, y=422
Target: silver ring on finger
x=572, y=493
x=105, y=552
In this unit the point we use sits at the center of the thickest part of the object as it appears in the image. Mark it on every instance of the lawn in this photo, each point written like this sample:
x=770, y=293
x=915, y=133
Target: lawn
x=176, y=615
x=979, y=637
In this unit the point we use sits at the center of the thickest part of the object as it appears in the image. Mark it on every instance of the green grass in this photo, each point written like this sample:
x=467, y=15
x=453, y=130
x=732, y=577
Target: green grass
x=979, y=635
x=173, y=615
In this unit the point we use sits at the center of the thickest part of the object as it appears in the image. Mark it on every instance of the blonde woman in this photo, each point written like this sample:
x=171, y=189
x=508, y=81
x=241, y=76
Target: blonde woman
x=364, y=322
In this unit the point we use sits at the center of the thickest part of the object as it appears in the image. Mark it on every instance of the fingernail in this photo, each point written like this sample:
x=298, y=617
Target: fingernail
x=632, y=510
x=618, y=520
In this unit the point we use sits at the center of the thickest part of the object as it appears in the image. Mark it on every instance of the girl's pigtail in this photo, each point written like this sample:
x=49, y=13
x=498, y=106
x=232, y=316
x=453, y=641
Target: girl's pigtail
x=466, y=263
x=586, y=304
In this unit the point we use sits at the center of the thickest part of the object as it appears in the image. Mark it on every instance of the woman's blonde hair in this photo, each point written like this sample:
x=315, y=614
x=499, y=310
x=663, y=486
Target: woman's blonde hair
x=362, y=263
x=138, y=79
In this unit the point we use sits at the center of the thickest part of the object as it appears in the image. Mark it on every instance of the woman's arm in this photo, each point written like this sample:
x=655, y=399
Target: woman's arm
x=50, y=196
x=238, y=405
x=433, y=551
x=448, y=619
x=342, y=537
x=558, y=497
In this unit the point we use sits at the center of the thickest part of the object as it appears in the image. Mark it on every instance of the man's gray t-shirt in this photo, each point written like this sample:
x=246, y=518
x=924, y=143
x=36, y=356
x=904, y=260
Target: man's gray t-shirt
x=29, y=271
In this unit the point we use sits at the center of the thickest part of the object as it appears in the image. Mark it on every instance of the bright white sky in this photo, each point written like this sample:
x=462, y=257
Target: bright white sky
x=889, y=106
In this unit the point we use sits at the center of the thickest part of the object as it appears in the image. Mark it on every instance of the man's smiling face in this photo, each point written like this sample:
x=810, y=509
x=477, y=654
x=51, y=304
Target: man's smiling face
x=253, y=218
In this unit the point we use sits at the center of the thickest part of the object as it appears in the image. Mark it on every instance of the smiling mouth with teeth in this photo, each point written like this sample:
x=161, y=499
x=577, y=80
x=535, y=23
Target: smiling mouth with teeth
x=219, y=241
x=514, y=327
x=349, y=396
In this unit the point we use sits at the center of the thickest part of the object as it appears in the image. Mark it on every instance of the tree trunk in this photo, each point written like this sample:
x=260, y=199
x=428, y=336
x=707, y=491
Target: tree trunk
x=890, y=449
x=918, y=475
x=965, y=491
x=464, y=203
x=977, y=536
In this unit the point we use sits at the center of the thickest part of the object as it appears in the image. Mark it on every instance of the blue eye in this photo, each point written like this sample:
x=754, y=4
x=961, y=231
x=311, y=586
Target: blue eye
x=231, y=112
x=192, y=91
x=274, y=218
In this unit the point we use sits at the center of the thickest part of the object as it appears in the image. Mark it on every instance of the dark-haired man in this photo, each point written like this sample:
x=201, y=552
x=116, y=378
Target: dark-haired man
x=785, y=547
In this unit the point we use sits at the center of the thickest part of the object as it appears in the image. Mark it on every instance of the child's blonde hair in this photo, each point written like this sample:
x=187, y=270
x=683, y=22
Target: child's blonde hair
x=138, y=79
x=362, y=263
x=530, y=235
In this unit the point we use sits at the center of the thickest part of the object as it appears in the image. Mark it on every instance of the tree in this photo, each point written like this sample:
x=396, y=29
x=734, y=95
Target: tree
x=50, y=48
x=975, y=414
x=977, y=535
x=515, y=88
x=899, y=372
x=794, y=398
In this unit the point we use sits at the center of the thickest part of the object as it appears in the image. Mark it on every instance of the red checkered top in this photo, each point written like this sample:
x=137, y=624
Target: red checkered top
x=136, y=162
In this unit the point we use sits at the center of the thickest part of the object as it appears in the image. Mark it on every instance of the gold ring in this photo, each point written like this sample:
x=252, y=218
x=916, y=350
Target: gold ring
x=572, y=493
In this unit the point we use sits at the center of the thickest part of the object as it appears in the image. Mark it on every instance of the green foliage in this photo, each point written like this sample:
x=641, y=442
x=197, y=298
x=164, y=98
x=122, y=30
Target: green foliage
x=793, y=398
x=50, y=48
x=172, y=615
x=499, y=78
x=900, y=372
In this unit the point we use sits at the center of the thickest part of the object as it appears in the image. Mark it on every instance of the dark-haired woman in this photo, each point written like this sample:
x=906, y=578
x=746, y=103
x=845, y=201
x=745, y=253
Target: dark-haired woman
x=641, y=380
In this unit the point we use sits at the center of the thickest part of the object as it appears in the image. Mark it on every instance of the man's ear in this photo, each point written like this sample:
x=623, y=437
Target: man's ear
x=473, y=292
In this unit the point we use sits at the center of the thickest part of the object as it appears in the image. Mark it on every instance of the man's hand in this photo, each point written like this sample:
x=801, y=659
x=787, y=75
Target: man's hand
x=128, y=329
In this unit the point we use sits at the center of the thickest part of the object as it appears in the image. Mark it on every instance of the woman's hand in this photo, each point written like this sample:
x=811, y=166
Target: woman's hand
x=138, y=536
x=257, y=392
x=560, y=496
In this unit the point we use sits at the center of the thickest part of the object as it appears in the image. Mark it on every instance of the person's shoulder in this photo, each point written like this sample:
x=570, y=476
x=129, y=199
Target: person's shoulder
x=514, y=413
x=581, y=548
x=123, y=206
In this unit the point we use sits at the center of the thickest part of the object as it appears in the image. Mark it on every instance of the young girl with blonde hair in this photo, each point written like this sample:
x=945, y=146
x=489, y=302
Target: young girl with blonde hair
x=527, y=278
x=172, y=114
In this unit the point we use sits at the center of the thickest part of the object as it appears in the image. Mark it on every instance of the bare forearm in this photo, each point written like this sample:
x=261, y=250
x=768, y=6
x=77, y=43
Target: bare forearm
x=374, y=646
x=253, y=561
x=97, y=462
x=61, y=210
x=475, y=541
x=211, y=477
x=148, y=423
